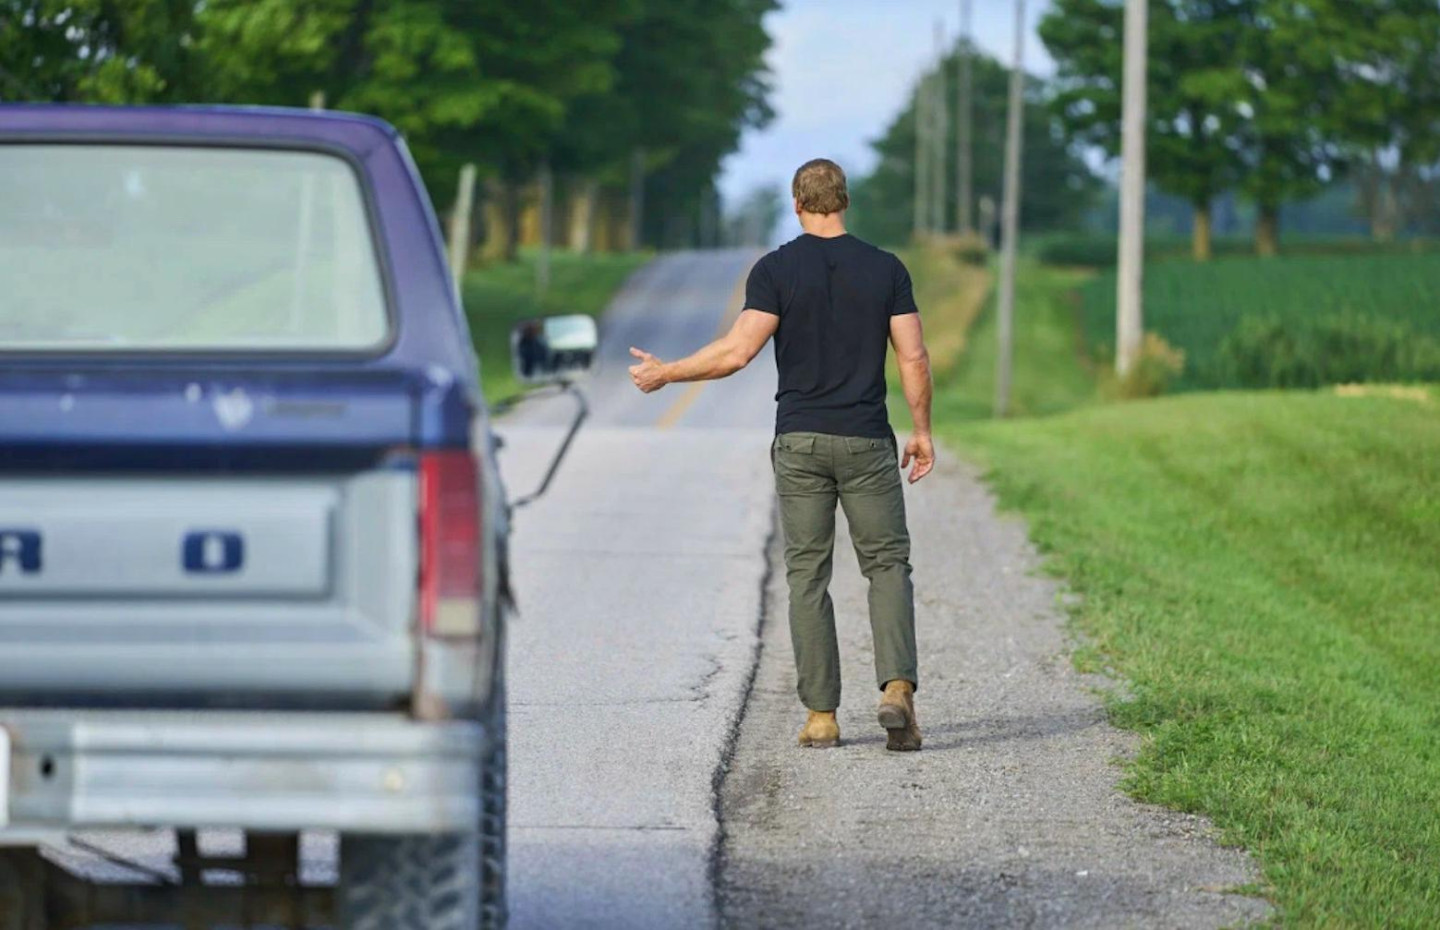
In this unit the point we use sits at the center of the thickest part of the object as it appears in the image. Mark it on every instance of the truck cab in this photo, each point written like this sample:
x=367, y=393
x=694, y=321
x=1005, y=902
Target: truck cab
x=252, y=538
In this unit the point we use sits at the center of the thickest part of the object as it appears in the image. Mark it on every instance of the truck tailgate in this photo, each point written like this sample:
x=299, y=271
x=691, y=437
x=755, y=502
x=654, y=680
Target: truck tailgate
x=139, y=541
x=208, y=588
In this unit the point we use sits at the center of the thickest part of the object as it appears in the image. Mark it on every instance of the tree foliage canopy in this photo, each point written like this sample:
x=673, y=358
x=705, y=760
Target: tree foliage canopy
x=1057, y=183
x=508, y=84
x=1276, y=98
x=97, y=51
x=1194, y=93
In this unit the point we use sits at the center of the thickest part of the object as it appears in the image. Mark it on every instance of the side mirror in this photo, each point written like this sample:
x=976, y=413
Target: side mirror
x=553, y=349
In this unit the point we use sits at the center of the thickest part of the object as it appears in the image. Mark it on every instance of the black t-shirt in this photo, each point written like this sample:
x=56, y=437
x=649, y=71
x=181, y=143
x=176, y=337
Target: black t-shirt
x=834, y=298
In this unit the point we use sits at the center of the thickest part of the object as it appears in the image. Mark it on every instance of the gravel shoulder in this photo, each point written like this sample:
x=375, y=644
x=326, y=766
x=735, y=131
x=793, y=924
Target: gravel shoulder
x=1010, y=816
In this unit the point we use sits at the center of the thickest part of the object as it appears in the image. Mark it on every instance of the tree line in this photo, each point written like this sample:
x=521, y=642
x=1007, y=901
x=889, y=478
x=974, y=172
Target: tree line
x=626, y=106
x=1275, y=99
x=1059, y=185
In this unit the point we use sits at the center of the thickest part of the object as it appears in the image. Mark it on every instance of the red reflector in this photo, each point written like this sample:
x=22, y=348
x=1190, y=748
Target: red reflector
x=449, y=544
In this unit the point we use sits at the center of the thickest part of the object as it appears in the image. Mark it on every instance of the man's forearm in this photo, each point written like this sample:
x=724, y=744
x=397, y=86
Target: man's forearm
x=915, y=379
x=719, y=359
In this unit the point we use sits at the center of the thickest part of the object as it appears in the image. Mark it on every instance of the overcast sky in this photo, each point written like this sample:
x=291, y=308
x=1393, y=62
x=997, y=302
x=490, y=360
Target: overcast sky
x=842, y=69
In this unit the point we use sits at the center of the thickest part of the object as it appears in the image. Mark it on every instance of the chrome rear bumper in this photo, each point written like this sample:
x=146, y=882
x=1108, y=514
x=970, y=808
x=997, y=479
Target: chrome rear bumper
x=379, y=773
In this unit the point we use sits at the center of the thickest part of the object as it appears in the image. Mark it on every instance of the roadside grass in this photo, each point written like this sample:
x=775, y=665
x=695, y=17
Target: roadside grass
x=951, y=296
x=957, y=305
x=497, y=296
x=1260, y=569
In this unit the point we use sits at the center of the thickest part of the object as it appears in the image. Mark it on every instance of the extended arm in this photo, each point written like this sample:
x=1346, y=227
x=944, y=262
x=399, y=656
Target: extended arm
x=720, y=359
x=908, y=339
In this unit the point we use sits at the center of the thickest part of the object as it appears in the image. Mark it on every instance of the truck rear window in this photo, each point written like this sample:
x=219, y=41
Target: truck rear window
x=146, y=247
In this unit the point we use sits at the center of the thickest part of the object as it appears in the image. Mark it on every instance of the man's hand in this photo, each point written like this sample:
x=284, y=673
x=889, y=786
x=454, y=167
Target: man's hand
x=922, y=450
x=720, y=359
x=649, y=374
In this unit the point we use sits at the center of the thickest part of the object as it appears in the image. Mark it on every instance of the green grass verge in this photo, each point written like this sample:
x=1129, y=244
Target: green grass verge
x=1260, y=569
x=1049, y=371
x=1195, y=307
x=951, y=295
x=498, y=296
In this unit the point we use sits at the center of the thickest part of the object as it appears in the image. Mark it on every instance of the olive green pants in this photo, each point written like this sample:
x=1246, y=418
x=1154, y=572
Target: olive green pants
x=812, y=472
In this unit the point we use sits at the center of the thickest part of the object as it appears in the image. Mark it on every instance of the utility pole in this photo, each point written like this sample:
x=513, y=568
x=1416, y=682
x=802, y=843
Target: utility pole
x=922, y=156
x=1010, y=218
x=582, y=219
x=964, y=117
x=702, y=222
x=1129, y=316
x=547, y=228
x=637, y=198
x=986, y=229
x=939, y=202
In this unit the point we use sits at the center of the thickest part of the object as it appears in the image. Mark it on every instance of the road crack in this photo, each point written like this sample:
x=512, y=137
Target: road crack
x=715, y=866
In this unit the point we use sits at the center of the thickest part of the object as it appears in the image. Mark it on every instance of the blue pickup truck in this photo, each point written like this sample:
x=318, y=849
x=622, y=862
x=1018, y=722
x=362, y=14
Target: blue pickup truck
x=252, y=538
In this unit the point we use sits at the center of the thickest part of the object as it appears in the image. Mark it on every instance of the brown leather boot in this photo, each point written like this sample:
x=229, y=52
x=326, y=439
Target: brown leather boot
x=897, y=716
x=820, y=731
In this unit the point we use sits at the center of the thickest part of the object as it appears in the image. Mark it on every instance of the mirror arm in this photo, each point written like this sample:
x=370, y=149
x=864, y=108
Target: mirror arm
x=505, y=404
x=582, y=410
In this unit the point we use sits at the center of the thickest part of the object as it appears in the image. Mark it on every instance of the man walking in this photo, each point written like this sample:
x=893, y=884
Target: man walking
x=832, y=302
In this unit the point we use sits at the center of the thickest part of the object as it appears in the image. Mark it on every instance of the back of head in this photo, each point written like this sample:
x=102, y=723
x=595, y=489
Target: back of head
x=819, y=187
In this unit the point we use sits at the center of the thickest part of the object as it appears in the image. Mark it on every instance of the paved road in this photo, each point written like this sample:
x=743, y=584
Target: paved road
x=641, y=580
x=639, y=577
x=670, y=307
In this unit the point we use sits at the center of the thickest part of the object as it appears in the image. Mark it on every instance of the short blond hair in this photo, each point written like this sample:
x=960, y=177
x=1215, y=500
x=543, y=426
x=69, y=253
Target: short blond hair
x=819, y=187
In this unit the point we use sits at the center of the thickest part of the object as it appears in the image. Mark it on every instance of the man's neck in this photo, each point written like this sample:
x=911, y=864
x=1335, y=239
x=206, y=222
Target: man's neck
x=824, y=225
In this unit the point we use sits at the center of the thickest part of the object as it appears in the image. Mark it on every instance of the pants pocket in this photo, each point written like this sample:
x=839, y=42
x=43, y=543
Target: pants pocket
x=872, y=465
x=862, y=445
x=798, y=470
x=797, y=443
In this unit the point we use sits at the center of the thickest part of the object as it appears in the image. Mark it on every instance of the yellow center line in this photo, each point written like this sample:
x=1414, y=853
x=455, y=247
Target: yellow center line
x=687, y=397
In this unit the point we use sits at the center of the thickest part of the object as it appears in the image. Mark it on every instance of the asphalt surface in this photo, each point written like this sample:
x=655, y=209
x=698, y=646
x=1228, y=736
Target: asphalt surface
x=639, y=578
x=654, y=773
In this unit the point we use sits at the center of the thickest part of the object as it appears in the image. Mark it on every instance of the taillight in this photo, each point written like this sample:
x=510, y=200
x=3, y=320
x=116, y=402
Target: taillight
x=449, y=544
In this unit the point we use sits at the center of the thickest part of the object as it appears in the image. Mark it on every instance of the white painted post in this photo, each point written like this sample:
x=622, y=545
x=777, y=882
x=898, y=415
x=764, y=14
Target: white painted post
x=460, y=223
